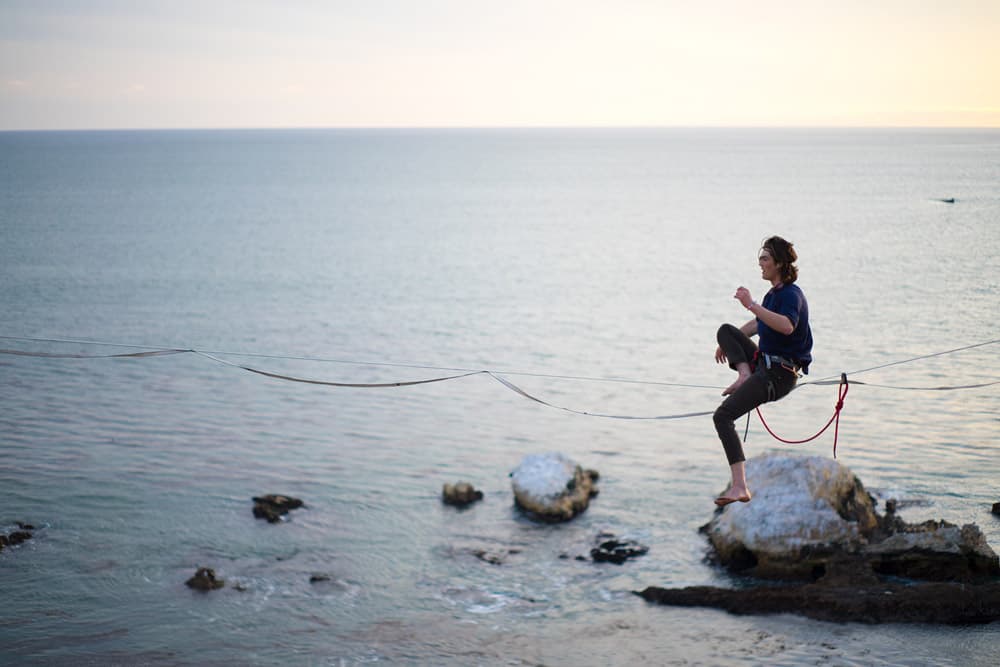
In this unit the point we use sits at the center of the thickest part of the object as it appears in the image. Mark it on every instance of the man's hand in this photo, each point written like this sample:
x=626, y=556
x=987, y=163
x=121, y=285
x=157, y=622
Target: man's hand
x=743, y=296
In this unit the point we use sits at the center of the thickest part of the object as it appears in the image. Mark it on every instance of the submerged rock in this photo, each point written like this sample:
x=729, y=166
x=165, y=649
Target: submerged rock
x=494, y=553
x=204, y=580
x=15, y=537
x=461, y=494
x=552, y=487
x=494, y=556
x=274, y=507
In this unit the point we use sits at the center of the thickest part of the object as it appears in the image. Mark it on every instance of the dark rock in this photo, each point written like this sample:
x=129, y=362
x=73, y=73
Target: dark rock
x=933, y=551
x=605, y=547
x=615, y=551
x=204, y=580
x=16, y=537
x=846, y=571
x=491, y=557
x=19, y=536
x=937, y=602
x=318, y=578
x=996, y=508
x=274, y=507
x=461, y=494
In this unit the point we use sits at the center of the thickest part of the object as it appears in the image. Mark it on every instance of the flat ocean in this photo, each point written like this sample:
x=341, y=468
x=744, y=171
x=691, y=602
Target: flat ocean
x=590, y=267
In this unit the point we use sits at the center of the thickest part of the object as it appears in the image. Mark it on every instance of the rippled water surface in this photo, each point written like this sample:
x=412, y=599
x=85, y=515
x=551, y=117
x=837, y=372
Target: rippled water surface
x=533, y=253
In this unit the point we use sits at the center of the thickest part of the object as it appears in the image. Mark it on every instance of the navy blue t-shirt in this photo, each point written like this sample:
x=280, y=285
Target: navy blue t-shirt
x=788, y=300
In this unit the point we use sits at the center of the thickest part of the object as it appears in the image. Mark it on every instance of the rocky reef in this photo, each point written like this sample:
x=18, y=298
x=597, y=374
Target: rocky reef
x=811, y=521
x=933, y=602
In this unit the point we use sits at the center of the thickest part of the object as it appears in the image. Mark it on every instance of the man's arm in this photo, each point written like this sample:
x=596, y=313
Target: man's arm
x=773, y=320
x=776, y=321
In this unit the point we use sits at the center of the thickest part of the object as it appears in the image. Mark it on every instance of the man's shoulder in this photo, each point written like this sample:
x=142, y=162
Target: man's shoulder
x=789, y=298
x=792, y=291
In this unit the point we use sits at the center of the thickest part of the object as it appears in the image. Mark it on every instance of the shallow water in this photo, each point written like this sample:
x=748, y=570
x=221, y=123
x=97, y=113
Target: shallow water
x=573, y=253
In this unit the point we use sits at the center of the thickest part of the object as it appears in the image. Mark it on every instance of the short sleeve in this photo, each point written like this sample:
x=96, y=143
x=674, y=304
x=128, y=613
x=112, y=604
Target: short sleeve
x=790, y=305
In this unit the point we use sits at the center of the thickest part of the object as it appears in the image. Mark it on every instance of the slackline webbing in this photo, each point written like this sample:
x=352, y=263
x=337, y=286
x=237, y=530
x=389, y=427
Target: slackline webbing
x=507, y=383
x=498, y=376
x=55, y=355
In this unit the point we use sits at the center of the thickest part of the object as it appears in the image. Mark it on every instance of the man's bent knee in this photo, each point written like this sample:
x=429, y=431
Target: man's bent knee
x=726, y=330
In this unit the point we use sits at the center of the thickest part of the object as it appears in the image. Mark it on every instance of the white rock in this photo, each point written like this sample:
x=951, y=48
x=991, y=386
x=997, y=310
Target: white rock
x=799, y=504
x=810, y=515
x=552, y=486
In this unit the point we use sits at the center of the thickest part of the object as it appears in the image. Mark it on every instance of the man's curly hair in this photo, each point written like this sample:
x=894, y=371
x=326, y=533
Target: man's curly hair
x=784, y=254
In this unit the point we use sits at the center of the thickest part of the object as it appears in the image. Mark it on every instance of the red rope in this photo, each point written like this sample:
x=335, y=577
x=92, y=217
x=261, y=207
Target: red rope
x=841, y=394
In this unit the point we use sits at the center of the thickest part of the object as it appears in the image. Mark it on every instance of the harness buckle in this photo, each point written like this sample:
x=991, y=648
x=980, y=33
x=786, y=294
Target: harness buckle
x=787, y=364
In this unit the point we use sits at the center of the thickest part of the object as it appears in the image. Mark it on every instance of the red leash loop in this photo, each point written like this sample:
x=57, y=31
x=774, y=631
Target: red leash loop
x=841, y=395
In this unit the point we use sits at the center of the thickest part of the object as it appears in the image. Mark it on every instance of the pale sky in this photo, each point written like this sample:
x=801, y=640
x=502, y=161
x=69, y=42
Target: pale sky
x=68, y=64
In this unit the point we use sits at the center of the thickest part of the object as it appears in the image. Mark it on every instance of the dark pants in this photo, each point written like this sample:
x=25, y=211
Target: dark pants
x=766, y=384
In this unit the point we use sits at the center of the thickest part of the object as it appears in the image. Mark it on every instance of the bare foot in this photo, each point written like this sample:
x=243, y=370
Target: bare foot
x=736, y=385
x=732, y=496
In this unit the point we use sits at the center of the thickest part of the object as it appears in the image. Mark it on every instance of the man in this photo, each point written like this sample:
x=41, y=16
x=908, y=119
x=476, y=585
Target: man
x=769, y=372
